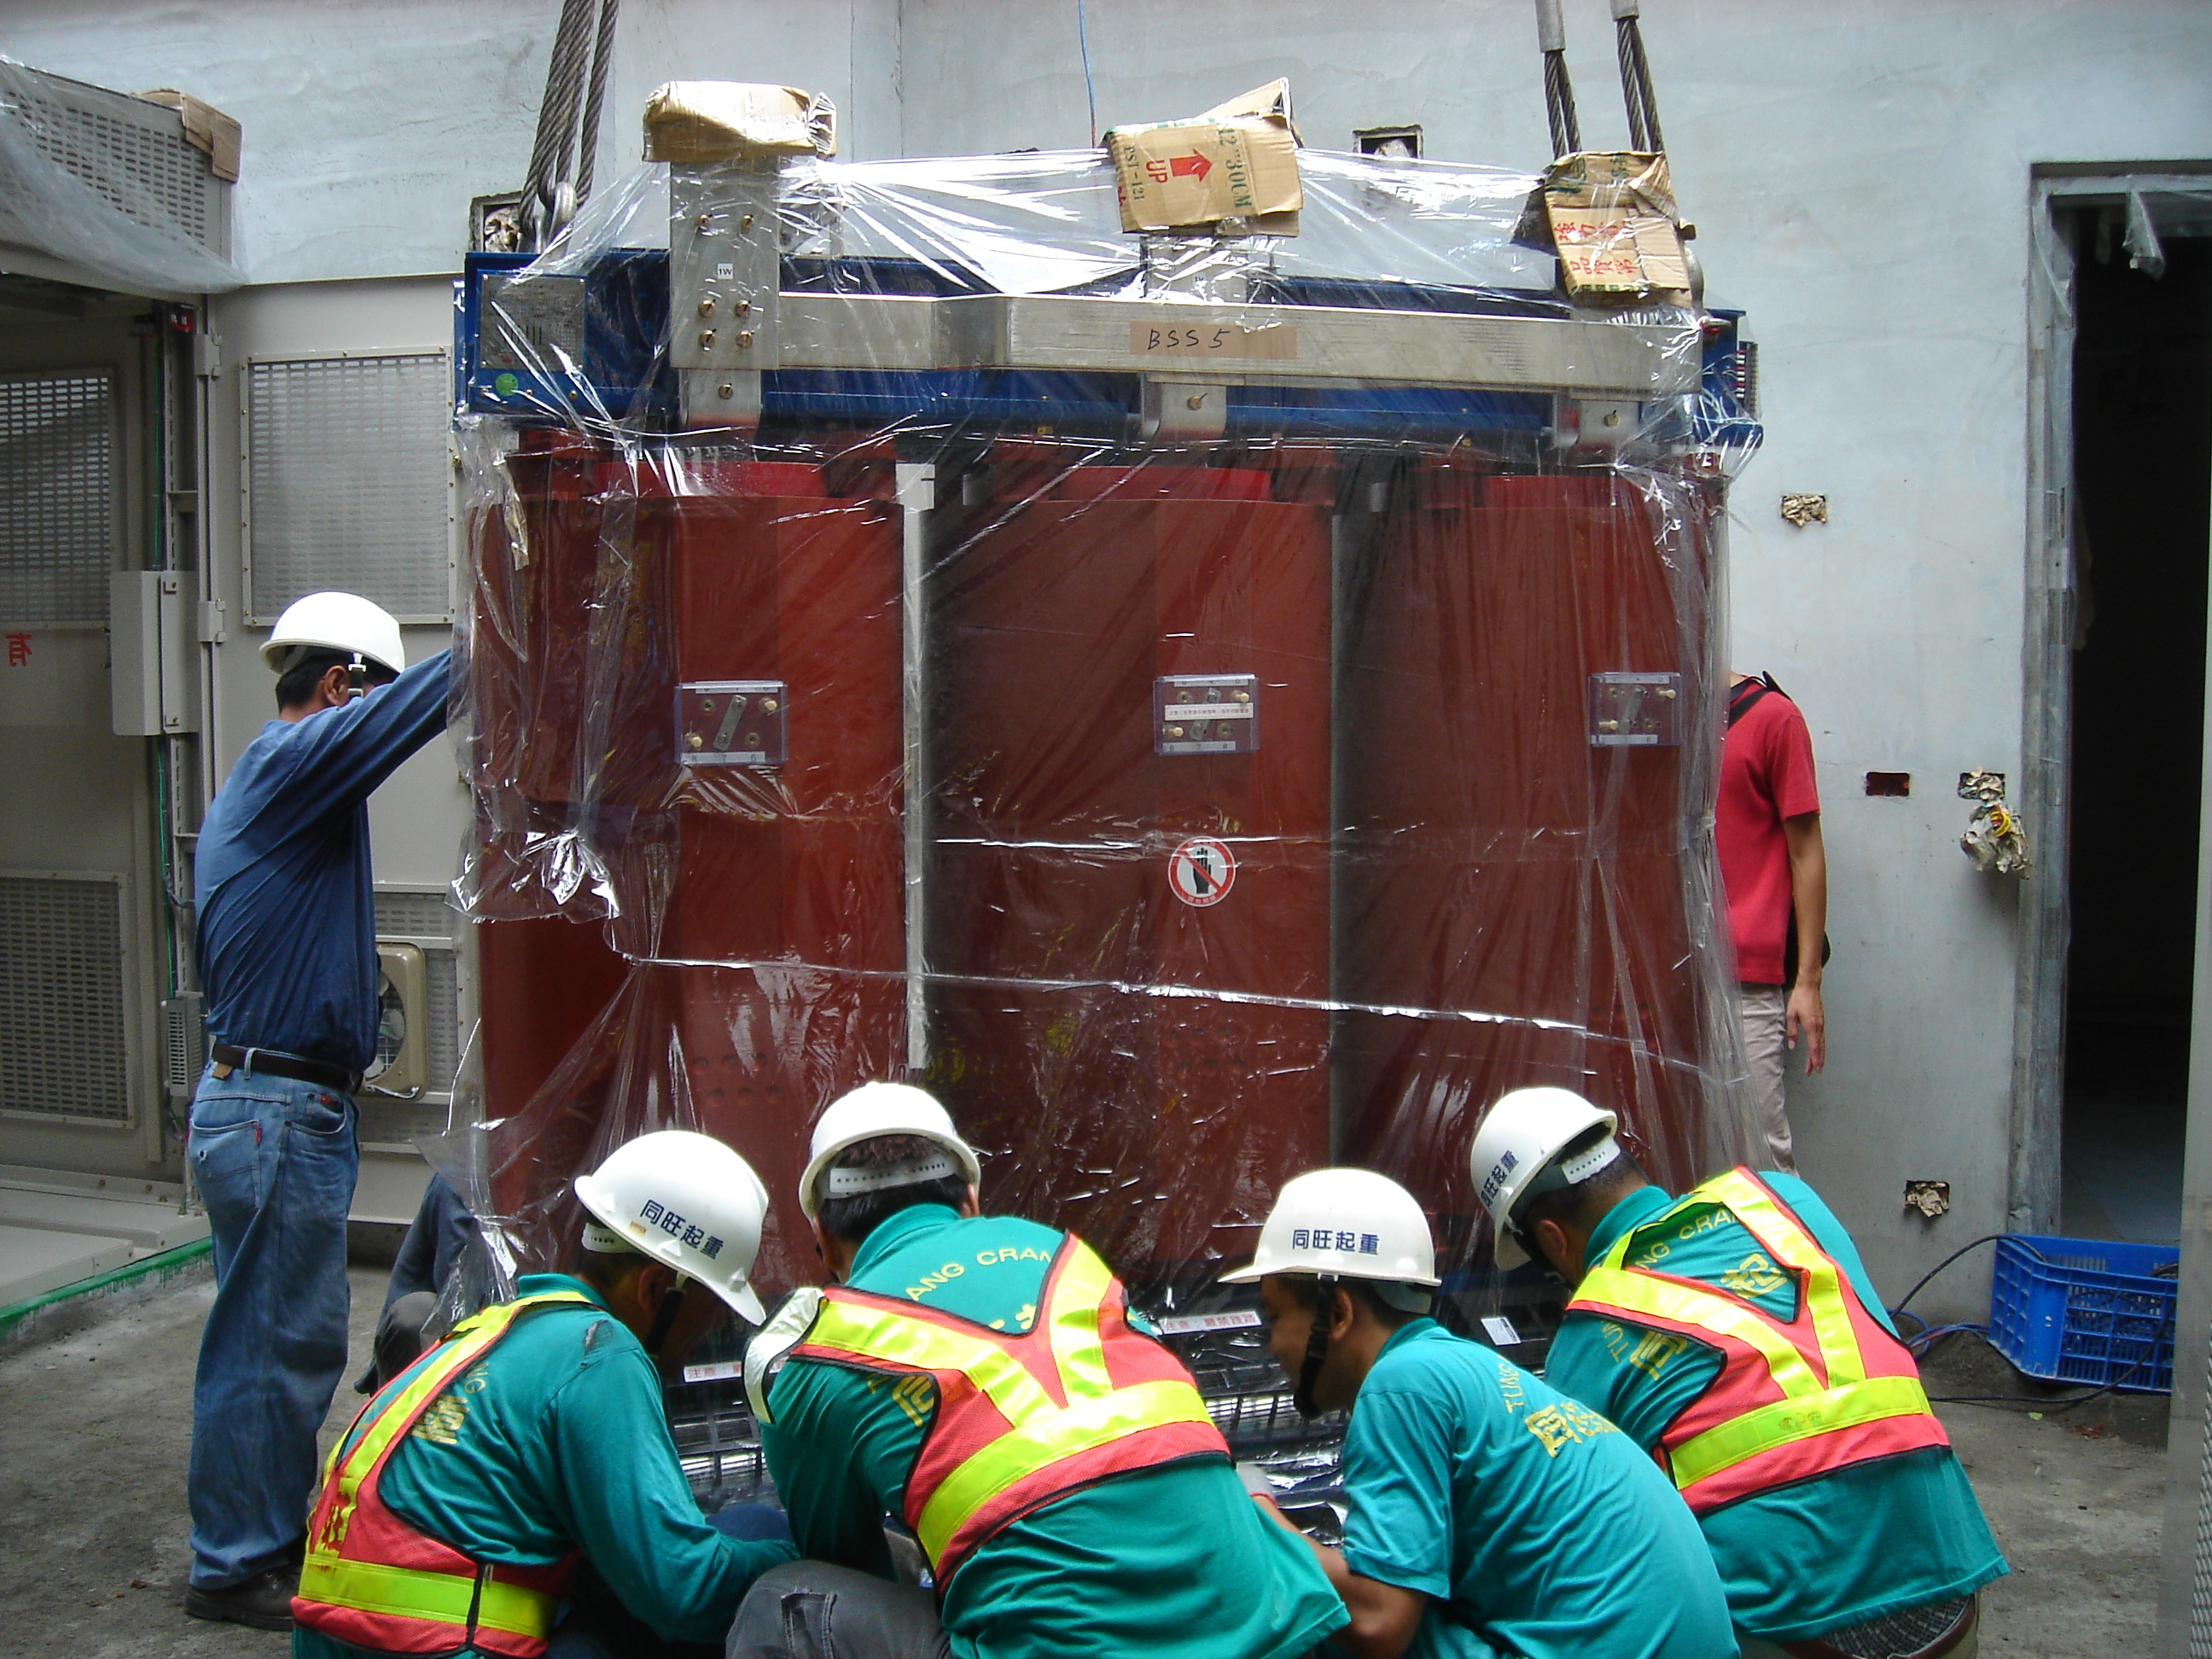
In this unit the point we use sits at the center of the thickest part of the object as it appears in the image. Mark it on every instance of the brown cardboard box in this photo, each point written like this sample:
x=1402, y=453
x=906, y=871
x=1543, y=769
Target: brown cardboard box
x=206, y=128
x=702, y=122
x=1239, y=160
x=1613, y=220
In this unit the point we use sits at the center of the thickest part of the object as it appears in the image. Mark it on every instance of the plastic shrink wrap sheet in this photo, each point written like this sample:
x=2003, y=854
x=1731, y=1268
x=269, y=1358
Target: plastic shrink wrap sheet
x=1205, y=705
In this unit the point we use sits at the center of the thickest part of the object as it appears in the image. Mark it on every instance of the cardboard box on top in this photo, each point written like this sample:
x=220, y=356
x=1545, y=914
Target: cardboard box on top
x=206, y=128
x=1613, y=220
x=1238, y=161
x=698, y=123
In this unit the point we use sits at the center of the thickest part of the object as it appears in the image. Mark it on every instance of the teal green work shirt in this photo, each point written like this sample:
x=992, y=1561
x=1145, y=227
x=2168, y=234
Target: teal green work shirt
x=556, y=1441
x=1534, y=1527
x=1174, y=1562
x=1874, y=1538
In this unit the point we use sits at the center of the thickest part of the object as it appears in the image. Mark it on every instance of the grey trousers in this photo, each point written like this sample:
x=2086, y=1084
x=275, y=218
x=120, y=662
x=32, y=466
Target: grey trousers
x=812, y=1610
x=1764, y=1010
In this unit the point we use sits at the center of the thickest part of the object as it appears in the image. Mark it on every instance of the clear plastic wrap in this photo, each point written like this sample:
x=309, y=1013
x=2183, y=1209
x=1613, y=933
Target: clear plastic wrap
x=1206, y=707
x=70, y=190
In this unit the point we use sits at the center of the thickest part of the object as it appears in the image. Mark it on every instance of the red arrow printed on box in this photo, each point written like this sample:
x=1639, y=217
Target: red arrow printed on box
x=1193, y=166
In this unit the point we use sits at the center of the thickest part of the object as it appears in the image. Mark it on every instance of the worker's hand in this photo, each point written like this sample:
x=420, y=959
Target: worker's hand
x=1805, y=1016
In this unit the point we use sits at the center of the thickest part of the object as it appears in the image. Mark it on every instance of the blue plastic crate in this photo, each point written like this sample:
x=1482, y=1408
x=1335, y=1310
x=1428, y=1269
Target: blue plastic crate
x=2086, y=1311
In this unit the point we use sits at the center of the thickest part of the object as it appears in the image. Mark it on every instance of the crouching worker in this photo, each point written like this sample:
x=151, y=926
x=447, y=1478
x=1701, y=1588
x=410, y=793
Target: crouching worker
x=980, y=1377
x=1734, y=1334
x=1484, y=1515
x=515, y=1492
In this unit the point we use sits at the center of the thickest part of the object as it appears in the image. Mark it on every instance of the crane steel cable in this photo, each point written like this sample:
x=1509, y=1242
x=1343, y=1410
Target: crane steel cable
x=588, y=145
x=1558, y=90
x=1636, y=78
x=557, y=123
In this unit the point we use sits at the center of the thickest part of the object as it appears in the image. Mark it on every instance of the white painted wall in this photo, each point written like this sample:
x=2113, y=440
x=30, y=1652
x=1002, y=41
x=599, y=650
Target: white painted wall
x=1860, y=174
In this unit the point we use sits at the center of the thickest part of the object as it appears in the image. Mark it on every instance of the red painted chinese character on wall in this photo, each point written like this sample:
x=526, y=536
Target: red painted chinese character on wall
x=19, y=650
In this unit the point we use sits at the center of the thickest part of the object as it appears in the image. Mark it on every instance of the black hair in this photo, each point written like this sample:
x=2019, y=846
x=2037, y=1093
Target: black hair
x=604, y=1269
x=297, y=685
x=1584, y=1204
x=854, y=1217
x=1305, y=1291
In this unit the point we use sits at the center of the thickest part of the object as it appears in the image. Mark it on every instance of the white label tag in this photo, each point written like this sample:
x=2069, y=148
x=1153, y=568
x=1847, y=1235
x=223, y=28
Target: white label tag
x=720, y=1371
x=1184, y=1324
x=1499, y=1329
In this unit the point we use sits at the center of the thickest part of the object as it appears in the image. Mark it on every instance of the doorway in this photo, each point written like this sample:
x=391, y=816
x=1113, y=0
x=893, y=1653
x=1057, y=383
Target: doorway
x=2142, y=446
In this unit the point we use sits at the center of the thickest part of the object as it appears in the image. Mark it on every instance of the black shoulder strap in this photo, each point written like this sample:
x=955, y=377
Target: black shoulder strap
x=1745, y=697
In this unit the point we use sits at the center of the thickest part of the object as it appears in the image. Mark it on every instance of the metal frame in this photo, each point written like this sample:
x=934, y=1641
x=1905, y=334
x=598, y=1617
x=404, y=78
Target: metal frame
x=729, y=324
x=2046, y=737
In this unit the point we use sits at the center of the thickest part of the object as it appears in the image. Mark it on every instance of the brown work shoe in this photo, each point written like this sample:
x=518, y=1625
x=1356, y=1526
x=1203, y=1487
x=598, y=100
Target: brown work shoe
x=265, y=1600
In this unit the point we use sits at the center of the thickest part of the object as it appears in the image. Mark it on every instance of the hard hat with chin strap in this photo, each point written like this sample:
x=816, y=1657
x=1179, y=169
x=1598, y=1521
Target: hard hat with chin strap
x=335, y=621
x=1516, y=1152
x=872, y=1112
x=1349, y=1224
x=1332, y=1225
x=686, y=1199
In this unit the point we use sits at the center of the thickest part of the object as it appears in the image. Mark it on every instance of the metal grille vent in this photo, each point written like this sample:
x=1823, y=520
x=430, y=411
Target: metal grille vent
x=425, y=919
x=61, y=995
x=348, y=482
x=57, y=496
x=131, y=161
x=183, y=1042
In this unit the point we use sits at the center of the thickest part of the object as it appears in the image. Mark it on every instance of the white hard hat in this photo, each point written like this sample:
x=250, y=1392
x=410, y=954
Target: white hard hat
x=686, y=1200
x=870, y=1112
x=1519, y=1138
x=336, y=622
x=1353, y=1223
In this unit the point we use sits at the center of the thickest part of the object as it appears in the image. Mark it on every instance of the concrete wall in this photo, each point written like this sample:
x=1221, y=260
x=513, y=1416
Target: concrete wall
x=1860, y=175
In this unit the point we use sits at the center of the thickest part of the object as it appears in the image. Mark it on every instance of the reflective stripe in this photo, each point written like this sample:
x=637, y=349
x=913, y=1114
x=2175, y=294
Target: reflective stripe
x=1030, y=1447
x=1839, y=1396
x=1001, y=1476
x=878, y=1334
x=1777, y=1424
x=444, y=1598
x=1689, y=1305
x=467, y=1341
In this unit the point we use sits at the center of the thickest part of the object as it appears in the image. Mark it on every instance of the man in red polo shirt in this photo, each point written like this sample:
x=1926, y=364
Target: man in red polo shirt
x=1768, y=828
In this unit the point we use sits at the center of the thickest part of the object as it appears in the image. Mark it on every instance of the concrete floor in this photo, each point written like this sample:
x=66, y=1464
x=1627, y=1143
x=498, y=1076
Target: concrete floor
x=93, y=1526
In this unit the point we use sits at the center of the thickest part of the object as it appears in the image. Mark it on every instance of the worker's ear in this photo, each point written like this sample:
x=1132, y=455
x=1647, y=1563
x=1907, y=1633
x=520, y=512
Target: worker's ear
x=334, y=688
x=1343, y=1313
x=651, y=1282
x=1559, y=1248
x=973, y=1204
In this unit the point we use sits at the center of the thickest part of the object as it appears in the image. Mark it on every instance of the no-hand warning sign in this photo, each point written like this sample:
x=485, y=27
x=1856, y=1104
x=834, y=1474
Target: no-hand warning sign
x=1202, y=871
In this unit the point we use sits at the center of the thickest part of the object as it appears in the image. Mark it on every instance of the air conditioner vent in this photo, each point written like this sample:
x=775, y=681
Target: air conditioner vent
x=349, y=483
x=62, y=1023
x=57, y=496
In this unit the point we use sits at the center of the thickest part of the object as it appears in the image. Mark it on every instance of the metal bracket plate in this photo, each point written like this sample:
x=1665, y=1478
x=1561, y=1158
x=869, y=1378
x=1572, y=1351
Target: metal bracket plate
x=732, y=723
x=1205, y=714
x=1635, y=711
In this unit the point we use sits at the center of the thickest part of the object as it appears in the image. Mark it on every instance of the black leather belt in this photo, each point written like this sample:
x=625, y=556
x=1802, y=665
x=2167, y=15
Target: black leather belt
x=277, y=1064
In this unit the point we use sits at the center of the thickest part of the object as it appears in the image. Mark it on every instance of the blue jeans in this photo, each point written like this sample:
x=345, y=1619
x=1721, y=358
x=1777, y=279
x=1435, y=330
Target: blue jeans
x=275, y=1161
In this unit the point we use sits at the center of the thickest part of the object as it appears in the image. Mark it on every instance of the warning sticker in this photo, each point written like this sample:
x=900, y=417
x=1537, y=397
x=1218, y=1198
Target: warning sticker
x=1202, y=871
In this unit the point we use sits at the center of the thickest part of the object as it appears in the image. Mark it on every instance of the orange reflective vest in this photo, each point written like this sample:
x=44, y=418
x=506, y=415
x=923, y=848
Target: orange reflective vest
x=1794, y=1400
x=371, y=1579
x=1021, y=1417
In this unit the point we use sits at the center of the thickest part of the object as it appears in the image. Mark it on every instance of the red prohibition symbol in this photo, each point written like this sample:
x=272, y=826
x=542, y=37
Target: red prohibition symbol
x=1202, y=871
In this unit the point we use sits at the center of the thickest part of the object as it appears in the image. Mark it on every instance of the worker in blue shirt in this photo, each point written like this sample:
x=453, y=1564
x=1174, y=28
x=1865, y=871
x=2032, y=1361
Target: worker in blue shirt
x=514, y=1492
x=285, y=940
x=1734, y=1334
x=1486, y=1515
